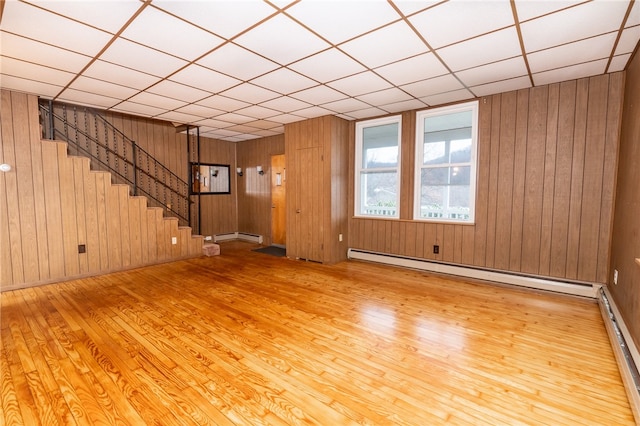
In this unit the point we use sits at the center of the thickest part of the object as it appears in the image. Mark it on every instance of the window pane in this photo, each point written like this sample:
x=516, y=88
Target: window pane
x=435, y=153
x=461, y=151
x=435, y=176
x=459, y=197
x=378, y=192
x=460, y=175
x=380, y=146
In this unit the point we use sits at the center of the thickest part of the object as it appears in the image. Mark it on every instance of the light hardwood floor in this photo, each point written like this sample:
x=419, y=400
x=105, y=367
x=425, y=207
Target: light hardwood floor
x=247, y=339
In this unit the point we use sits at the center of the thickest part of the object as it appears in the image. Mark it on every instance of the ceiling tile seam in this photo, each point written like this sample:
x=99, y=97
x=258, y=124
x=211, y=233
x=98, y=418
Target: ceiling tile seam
x=556, y=11
x=574, y=41
x=104, y=49
x=45, y=43
x=570, y=66
x=426, y=43
x=514, y=11
x=615, y=44
x=417, y=12
x=53, y=12
x=30, y=79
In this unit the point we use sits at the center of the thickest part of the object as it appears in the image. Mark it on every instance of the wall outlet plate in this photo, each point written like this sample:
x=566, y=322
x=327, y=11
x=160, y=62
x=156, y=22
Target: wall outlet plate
x=615, y=276
x=436, y=249
x=174, y=240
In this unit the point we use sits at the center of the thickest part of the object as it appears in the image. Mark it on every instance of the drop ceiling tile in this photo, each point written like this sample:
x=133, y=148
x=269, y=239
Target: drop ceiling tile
x=137, y=109
x=286, y=118
x=634, y=16
x=42, y=54
x=342, y=21
x=34, y=72
x=528, y=9
x=411, y=7
x=264, y=124
x=313, y=112
x=413, y=69
x=284, y=81
x=213, y=124
x=502, y=86
x=570, y=73
x=345, y=105
x=200, y=111
x=266, y=133
x=234, y=118
x=327, y=66
x=29, y=21
x=392, y=43
x=432, y=86
x=204, y=78
x=257, y=111
x=151, y=99
x=106, y=15
x=482, y=50
x=282, y=40
x=223, y=103
x=572, y=53
x=619, y=63
x=179, y=91
x=569, y=25
x=220, y=133
x=157, y=29
x=141, y=58
x=178, y=117
x=359, y=84
x=84, y=98
x=628, y=40
x=92, y=85
x=224, y=18
x=403, y=106
x=386, y=96
x=445, y=98
x=472, y=18
x=25, y=85
x=364, y=113
x=318, y=95
x=237, y=62
x=241, y=128
x=116, y=74
x=285, y=104
x=250, y=93
x=502, y=70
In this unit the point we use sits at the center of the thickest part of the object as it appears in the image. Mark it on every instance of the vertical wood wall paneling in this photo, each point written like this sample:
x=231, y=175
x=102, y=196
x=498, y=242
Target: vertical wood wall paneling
x=407, y=162
x=542, y=153
x=102, y=179
x=68, y=213
x=55, y=242
x=79, y=165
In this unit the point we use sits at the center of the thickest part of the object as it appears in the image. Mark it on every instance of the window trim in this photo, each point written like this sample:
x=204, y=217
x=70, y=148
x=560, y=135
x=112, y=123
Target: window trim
x=419, y=154
x=360, y=126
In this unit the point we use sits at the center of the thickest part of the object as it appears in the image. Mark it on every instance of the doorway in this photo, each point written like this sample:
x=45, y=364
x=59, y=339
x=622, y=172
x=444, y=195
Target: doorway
x=278, y=201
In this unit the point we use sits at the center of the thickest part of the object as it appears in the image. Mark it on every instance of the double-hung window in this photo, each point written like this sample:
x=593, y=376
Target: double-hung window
x=377, y=168
x=446, y=140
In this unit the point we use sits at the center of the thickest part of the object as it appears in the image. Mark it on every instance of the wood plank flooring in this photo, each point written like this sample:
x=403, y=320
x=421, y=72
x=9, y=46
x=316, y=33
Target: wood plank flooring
x=248, y=339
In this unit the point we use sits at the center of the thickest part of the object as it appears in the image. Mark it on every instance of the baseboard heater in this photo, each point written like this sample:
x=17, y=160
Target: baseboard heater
x=567, y=287
x=624, y=348
x=238, y=236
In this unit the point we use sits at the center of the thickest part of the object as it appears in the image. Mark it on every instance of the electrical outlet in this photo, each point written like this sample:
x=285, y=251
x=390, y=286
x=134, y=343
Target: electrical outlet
x=436, y=249
x=207, y=238
x=174, y=240
x=615, y=276
x=82, y=248
x=339, y=237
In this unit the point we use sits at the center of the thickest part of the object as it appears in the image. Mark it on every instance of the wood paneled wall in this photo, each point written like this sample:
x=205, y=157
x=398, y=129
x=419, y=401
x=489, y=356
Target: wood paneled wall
x=254, y=190
x=51, y=203
x=545, y=187
x=626, y=225
x=218, y=212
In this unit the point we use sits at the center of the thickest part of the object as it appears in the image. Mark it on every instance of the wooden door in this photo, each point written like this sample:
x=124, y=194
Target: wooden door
x=278, y=201
x=309, y=205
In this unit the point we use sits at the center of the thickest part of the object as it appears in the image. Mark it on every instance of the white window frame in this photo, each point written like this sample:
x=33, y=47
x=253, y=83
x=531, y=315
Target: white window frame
x=360, y=171
x=419, y=156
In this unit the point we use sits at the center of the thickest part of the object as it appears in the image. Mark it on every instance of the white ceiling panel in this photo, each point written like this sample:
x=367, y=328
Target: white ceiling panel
x=318, y=95
x=403, y=106
x=35, y=72
x=204, y=78
x=528, y=9
x=472, y=18
x=345, y=105
x=282, y=40
x=250, y=93
x=29, y=21
x=138, y=109
x=92, y=85
x=222, y=102
x=391, y=43
x=618, y=63
x=286, y=118
x=151, y=99
x=234, y=118
x=179, y=91
x=628, y=40
x=444, y=98
x=257, y=112
x=410, y=7
x=108, y=15
x=360, y=84
x=140, y=58
x=432, y=86
x=264, y=124
x=343, y=20
x=212, y=124
x=43, y=54
x=88, y=99
x=482, y=50
x=364, y=113
x=25, y=85
x=157, y=29
x=569, y=25
x=313, y=112
x=328, y=65
x=570, y=73
x=502, y=70
x=177, y=117
x=226, y=18
x=237, y=62
x=502, y=86
x=284, y=81
x=116, y=74
x=572, y=53
x=634, y=16
x=386, y=96
x=285, y=104
x=413, y=69
x=199, y=111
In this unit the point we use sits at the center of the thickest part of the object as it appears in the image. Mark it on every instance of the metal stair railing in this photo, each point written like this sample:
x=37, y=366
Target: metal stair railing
x=89, y=134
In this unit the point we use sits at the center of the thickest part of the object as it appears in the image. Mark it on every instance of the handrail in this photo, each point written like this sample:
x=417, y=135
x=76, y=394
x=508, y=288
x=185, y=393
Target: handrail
x=118, y=163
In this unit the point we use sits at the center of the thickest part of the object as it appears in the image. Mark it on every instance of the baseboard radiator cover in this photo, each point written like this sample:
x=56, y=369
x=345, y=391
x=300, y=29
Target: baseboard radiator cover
x=574, y=288
x=238, y=236
x=624, y=348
